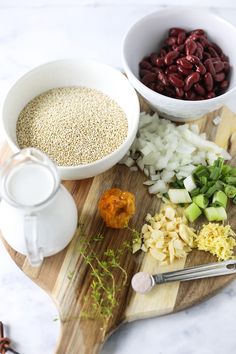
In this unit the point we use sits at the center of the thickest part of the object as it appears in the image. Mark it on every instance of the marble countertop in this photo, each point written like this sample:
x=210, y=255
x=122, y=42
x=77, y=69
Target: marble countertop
x=33, y=32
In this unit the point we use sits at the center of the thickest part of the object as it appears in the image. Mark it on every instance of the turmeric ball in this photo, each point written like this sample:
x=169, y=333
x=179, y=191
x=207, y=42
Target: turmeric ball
x=116, y=207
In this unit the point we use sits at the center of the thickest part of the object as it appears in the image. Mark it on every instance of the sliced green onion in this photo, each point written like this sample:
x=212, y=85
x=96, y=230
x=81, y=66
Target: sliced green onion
x=189, y=183
x=230, y=191
x=215, y=214
x=215, y=173
x=201, y=171
x=230, y=180
x=216, y=187
x=220, y=199
x=226, y=169
x=203, y=180
x=204, y=189
x=192, y=212
x=195, y=192
x=201, y=201
x=178, y=196
x=232, y=171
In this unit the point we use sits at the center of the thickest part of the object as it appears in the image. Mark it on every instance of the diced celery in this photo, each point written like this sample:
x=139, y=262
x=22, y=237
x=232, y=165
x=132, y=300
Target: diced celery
x=220, y=198
x=189, y=183
x=201, y=201
x=192, y=212
x=179, y=196
x=215, y=214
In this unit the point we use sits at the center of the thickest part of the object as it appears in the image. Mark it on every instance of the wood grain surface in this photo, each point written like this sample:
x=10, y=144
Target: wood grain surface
x=81, y=335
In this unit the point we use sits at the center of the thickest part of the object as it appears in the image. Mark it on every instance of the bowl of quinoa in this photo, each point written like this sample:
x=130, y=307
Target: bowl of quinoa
x=84, y=115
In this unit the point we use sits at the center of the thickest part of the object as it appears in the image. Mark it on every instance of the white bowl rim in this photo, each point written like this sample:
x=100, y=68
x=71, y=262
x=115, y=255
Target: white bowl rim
x=171, y=10
x=77, y=60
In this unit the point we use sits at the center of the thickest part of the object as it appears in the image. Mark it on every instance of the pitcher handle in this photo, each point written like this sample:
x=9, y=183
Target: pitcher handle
x=34, y=253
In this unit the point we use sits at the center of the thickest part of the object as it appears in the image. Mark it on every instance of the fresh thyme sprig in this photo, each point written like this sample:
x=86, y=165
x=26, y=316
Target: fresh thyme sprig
x=104, y=287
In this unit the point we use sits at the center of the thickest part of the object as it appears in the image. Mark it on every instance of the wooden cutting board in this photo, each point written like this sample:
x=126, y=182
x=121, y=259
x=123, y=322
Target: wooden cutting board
x=86, y=336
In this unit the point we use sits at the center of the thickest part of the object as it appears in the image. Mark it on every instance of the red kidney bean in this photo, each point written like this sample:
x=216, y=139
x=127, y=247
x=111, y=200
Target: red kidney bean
x=163, y=78
x=199, y=31
x=170, y=57
x=170, y=91
x=176, y=80
x=204, y=42
x=198, y=54
x=157, y=70
x=159, y=87
x=184, y=71
x=144, y=72
x=216, y=47
x=193, y=59
x=179, y=92
x=153, y=58
x=184, y=63
x=181, y=38
x=208, y=80
x=171, y=40
x=160, y=62
x=209, y=66
x=219, y=66
x=152, y=85
x=190, y=47
x=175, y=31
x=179, y=48
x=200, y=68
x=213, y=52
x=190, y=95
x=199, y=89
x=224, y=57
x=163, y=53
x=199, y=51
x=210, y=95
x=206, y=55
x=226, y=67
x=224, y=85
x=219, y=77
x=173, y=68
x=190, y=80
x=149, y=78
x=174, y=46
x=145, y=65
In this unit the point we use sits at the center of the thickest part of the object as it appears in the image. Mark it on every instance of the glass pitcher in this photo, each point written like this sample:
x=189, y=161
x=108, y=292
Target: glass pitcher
x=38, y=216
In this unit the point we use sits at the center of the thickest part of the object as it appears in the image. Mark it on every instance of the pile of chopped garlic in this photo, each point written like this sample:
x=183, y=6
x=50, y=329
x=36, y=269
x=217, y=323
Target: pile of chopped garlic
x=166, y=235
x=218, y=240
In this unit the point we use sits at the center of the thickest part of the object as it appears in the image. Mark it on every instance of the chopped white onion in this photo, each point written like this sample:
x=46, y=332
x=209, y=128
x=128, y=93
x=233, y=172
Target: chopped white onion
x=163, y=151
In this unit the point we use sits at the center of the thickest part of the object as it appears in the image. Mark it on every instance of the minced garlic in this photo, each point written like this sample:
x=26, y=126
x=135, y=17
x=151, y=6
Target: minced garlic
x=218, y=240
x=166, y=235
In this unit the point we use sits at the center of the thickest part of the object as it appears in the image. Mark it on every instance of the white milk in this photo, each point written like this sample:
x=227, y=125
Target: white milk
x=30, y=184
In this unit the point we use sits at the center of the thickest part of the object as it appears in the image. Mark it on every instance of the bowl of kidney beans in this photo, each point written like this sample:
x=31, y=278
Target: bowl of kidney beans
x=188, y=66
x=181, y=61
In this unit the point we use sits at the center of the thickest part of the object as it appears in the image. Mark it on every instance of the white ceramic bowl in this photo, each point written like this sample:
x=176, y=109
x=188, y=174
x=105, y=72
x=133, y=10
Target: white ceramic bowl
x=145, y=36
x=71, y=72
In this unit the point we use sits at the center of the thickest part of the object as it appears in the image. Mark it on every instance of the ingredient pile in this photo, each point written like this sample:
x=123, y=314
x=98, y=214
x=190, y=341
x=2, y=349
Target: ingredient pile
x=191, y=176
x=189, y=66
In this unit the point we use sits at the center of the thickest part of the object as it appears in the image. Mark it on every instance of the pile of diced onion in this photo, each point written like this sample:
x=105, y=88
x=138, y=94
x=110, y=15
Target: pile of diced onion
x=164, y=150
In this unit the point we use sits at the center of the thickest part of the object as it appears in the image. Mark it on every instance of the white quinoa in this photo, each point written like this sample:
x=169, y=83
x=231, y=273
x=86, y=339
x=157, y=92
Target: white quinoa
x=72, y=125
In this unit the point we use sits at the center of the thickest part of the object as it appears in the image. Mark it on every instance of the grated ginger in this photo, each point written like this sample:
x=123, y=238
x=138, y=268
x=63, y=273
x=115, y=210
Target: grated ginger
x=218, y=240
